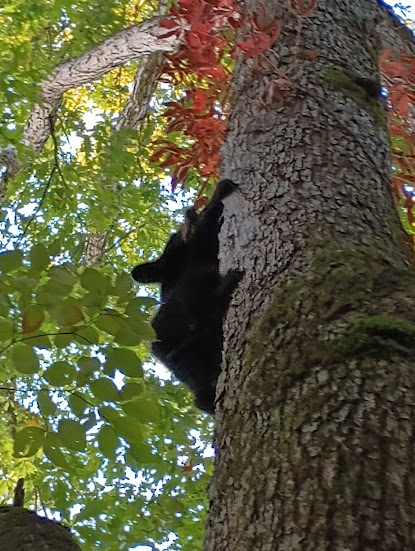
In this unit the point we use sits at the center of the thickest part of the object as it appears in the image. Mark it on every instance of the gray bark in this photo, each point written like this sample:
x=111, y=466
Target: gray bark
x=315, y=421
x=23, y=530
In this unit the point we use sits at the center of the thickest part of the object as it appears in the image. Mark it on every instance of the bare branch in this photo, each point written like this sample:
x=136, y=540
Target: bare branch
x=132, y=116
x=142, y=39
x=126, y=45
x=144, y=84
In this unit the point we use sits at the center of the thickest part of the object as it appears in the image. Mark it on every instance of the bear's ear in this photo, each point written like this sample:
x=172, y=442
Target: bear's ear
x=151, y=272
x=187, y=229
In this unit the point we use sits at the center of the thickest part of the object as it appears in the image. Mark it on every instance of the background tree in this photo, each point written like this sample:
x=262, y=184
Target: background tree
x=309, y=452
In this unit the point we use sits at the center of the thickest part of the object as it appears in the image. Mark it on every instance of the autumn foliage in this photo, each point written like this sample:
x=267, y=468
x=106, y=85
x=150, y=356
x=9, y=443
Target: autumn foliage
x=398, y=71
x=202, y=68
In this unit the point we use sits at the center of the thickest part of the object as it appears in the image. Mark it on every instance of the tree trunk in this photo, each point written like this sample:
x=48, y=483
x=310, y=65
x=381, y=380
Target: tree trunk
x=315, y=421
x=23, y=530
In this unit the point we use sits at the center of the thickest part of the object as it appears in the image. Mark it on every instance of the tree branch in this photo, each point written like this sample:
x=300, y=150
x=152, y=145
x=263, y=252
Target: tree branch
x=132, y=116
x=139, y=40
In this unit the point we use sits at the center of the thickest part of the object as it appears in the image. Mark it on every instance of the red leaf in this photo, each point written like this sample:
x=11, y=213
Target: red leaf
x=402, y=106
x=200, y=100
x=33, y=318
x=393, y=69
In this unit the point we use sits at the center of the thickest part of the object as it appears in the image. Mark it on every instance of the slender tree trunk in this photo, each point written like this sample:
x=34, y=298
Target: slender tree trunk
x=316, y=419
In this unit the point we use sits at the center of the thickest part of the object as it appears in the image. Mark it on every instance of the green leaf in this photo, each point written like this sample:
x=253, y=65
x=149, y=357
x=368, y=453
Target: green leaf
x=104, y=389
x=52, y=292
x=33, y=317
x=77, y=404
x=39, y=257
x=24, y=283
x=108, y=323
x=126, y=336
x=40, y=340
x=128, y=429
x=130, y=391
x=123, y=285
x=65, y=313
x=134, y=306
x=72, y=435
x=144, y=329
x=109, y=414
x=87, y=367
x=85, y=335
x=24, y=359
x=125, y=361
x=95, y=281
x=53, y=452
x=60, y=374
x=28, y=441
x=133, y=331
x=107, y=441
x=142, y=453
x=10, y=261
x=55, y=247
x=63, y=275
x=4, y=305
x=63, y=340
x=6, y=330
x=143, y=410
x=45, y=403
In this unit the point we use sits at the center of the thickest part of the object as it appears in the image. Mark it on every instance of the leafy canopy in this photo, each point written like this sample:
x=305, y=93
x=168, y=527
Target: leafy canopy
x=82, y=416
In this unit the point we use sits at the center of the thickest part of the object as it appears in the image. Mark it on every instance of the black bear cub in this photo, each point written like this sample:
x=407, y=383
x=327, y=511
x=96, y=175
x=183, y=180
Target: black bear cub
x=194, y=298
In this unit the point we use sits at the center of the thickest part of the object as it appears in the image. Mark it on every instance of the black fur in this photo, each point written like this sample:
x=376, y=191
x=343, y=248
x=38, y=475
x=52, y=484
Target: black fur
x=167, y=269
x=195, y=298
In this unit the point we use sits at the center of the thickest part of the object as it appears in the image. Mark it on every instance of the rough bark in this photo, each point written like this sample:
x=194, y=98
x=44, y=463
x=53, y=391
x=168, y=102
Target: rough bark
x=315, y=421
x=23, y=530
